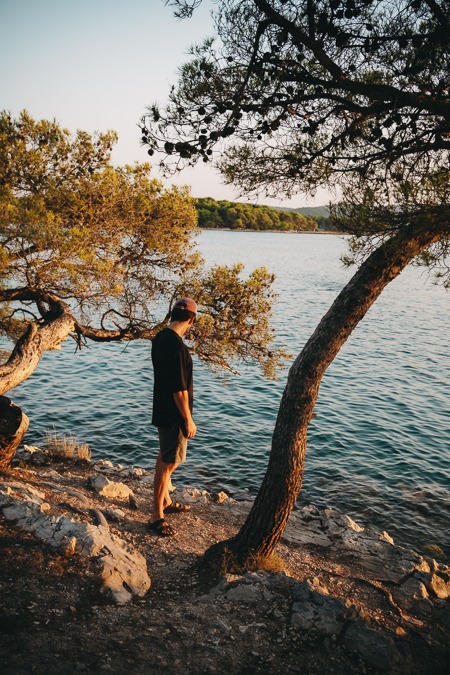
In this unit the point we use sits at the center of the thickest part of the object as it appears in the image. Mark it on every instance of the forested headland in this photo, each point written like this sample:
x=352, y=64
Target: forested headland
x=239, y=216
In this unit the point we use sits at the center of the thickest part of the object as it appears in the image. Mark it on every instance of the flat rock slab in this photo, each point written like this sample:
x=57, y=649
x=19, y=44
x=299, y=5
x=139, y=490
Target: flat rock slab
x=123, y=570
x=374, y=552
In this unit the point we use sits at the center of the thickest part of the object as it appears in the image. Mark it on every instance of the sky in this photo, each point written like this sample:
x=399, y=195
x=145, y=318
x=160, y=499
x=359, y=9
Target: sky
x=97, y=65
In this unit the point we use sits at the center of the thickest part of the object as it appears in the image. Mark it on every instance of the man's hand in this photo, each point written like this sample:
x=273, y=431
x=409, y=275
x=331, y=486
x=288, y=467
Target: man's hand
x=191, y=428
x=181, y=399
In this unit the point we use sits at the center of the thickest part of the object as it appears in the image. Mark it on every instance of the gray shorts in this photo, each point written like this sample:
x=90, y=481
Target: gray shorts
x=172, y=444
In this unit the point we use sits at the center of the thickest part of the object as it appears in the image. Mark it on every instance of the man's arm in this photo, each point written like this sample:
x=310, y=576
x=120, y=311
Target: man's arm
x=181, y=399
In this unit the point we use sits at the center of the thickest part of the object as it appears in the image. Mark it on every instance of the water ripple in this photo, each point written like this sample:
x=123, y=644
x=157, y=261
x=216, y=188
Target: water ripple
x=380, y=446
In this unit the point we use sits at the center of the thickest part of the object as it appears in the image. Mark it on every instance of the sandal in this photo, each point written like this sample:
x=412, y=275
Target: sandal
x=176, y=507
x=161, y=528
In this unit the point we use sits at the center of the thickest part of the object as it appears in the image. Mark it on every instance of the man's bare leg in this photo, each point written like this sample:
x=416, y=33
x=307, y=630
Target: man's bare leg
x=161, y=497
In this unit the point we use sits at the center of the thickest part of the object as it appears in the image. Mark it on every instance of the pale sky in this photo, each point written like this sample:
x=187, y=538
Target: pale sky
x=97, y=64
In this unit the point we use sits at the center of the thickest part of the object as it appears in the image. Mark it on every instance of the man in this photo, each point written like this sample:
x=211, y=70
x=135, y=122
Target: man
x=173, y=399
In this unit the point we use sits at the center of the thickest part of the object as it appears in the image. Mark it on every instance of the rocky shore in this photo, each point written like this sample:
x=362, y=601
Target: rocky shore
x=84, y=587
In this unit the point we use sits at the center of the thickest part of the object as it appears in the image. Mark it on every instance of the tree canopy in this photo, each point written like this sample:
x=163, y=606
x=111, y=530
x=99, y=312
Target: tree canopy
x=297, y=94
x=100, y=252
x=330, y=86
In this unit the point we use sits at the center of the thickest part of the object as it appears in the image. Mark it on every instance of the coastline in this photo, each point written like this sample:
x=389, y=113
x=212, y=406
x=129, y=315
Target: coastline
x=230, y=229
x=338, y=596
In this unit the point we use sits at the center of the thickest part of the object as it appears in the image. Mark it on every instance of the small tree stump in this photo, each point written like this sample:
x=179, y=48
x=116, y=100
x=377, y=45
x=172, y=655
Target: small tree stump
x=13, y=425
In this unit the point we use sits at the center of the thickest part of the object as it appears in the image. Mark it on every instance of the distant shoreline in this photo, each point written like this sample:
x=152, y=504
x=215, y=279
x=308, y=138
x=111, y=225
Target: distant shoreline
x=232, y=229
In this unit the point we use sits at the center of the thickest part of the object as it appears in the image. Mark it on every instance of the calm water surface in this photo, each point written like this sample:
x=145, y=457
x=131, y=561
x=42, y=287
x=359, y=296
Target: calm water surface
x=379, y=449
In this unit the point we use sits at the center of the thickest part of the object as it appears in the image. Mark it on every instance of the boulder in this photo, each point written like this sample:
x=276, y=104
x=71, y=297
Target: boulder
x=314, y=610
x=437, y=586
x=124, y=570
x=219, y=497
x=376, y=650
x=412, y=597
x=110, y=489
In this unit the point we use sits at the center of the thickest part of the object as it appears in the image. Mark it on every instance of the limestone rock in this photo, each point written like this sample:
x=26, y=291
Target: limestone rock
x=372, y=551
x=26, y=491
x=137, y=471
x=31, y=454
x=190, y=495
x=314, y=609
x=30, y=449
x=414, y=588
x=68, y=545
x=115, y=514
x=433, y=580
x=388, y=537
x=305, y=527
x=110, y=489
x=376, y=650
x=100, y=518
x=219, y=497
x=412, y=596
x=236, y=508
x=106, y=463
x=438, y=587
x=315, y=585
x=124, y=571
x=243, y=593
x=149, y=478
x=251, y=588
x=133, y=502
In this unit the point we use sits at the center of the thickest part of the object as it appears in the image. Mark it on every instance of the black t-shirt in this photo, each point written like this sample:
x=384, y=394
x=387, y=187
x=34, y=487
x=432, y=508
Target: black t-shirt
x=172, y=366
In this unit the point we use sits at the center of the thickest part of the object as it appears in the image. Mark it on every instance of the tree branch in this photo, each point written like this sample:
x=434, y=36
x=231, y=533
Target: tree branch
x=439, y=13
x=379, y=92
x=33, y=343
x=303, y=38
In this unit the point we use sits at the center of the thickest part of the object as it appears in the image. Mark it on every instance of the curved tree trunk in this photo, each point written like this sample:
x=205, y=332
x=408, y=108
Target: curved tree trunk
x=13, y=425
x=281, y=485
x=29, y=349
x=21, y=364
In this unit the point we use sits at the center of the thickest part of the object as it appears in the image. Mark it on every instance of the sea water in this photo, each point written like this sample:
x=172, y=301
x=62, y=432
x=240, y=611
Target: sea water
x=379, y=448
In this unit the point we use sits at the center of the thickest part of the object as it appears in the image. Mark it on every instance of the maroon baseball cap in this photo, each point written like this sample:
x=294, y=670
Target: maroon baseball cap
x=186, y=303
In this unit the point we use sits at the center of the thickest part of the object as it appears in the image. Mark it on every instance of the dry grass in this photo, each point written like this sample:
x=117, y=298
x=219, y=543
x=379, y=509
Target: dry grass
x=227, y=562
x=67, y=447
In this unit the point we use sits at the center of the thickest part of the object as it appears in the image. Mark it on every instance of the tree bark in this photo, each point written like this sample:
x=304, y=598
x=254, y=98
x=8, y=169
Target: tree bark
x=13, y=425
x=281, y=485
x=29, y=348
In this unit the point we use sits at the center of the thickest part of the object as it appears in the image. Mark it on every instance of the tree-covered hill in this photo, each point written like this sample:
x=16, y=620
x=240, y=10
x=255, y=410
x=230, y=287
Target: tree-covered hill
x=315, y=211
x=238, y=216
x=321, y=215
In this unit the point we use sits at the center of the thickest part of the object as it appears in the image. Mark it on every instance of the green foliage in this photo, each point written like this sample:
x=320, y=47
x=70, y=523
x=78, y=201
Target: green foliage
x=297, y=94
x=75, y=226
x=114, y=246
x=301, y=94
x=326, y=224
x=239, y=216
x=232, y=317
x=373, y=213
